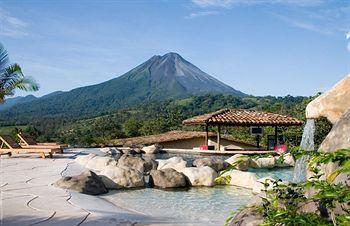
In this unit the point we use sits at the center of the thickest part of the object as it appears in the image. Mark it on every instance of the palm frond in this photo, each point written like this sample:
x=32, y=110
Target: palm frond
x=4, y=59
x=26, y=84
x=11, y=77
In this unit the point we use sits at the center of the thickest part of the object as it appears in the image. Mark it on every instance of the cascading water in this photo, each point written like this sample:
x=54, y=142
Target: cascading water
x=307, y=144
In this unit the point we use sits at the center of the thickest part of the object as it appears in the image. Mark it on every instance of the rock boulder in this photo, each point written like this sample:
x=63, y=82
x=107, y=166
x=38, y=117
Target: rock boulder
x=137, y=163
x=152, y=149
x=95, y=162
x=247, y=217
x=242, y=179
x=266, y=162
x=87, y=183
x=115, y=177
x=216, y=164
x=176, y=163
x=241, y=162
x=98, y=163
x=84, y=159
x=338, y=138
x=168, y=178
x=331, y=104
x=202, y=176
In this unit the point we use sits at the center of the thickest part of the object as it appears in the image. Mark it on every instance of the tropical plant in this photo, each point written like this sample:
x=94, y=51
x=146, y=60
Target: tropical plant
x=11, y=77
x=282, y=203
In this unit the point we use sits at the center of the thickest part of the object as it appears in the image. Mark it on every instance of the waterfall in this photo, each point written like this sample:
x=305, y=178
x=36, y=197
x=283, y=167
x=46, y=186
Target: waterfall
x=307, y=144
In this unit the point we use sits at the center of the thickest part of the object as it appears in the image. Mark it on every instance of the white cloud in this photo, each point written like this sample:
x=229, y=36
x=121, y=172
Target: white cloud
x=12, y=26
x=347, y=35
x=213, y=3
x=229, y=3
x=304, y=25
x=202, y=14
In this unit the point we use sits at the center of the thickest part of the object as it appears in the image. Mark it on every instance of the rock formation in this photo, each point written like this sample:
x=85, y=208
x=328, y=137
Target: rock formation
x=202, y=176
x=115, y=177
x=331, y=104
x=87, y=182
x=176, y=163
x=168, y=178
x=241, y=162
x=216, y=164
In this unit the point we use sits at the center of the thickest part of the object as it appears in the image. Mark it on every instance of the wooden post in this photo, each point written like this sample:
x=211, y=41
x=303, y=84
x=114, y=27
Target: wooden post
x=218, y=138
x=206, y=134
x=276, y=135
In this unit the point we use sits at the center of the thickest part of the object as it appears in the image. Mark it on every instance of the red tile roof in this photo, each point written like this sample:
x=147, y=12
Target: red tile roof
x=243, y=117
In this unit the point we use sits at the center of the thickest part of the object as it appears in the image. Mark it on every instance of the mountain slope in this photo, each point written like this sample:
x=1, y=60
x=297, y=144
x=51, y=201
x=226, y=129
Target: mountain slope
x=159, y=78
x=16, y=100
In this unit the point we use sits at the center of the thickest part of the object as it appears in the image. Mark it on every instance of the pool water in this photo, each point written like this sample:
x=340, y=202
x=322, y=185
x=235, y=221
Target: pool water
x=285, y=174
x=200, y=205
x=211, y=206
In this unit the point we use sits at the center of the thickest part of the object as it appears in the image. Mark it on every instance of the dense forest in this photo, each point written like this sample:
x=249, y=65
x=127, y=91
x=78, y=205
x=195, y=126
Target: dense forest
x=162, y=116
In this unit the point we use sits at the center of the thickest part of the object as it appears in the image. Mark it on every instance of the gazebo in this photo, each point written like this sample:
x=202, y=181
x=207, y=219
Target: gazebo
x=242, y=118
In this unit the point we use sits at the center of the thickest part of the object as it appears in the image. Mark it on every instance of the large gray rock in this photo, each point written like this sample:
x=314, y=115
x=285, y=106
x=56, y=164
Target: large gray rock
x=331, y=104
x=84, y=159
x=87, y=182
x=242, y=179
x=98, y=163
x=114, y=152
x=168, y=178
x=137, y=163
x=152, y=149
x=239, y=161
x=176, y=163
x=338, y=138
x=216, y=164
x=247, y=217
x=115, y=177
x=95, y=162
x=266, y=162
x=202, y=176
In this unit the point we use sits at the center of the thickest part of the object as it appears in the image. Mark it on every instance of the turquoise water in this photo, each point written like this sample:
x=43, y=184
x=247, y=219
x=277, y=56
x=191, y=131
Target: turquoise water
x=203, y=205
x=285, y=174
x=210, y=206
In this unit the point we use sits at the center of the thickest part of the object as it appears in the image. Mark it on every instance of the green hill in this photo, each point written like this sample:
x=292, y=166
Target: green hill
x=159, y=78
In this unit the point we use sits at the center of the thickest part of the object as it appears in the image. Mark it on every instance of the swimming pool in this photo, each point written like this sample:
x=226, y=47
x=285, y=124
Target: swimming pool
x=199, y=205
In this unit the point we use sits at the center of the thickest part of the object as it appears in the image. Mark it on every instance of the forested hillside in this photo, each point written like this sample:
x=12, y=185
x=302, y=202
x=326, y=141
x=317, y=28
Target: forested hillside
x=161, y=116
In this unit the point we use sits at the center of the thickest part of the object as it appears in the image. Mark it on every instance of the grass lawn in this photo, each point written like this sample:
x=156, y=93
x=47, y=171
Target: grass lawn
x=9, y=129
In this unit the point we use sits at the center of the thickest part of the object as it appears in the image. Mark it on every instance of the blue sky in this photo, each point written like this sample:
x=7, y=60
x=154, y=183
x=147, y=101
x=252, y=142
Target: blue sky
x=261, y=47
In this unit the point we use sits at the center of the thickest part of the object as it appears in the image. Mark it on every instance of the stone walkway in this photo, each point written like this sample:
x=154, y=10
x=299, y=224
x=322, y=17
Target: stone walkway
x=28, y=197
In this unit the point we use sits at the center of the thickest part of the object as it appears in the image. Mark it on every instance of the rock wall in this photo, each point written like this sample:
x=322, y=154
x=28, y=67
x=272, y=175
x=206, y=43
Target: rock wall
x=331, y=104
x=338, y=137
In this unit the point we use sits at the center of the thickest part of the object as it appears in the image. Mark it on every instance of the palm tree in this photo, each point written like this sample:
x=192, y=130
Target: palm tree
x=11, y=77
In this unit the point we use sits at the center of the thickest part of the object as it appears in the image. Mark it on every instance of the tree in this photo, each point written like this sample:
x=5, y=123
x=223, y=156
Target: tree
x=11, y=77
x=131, y=127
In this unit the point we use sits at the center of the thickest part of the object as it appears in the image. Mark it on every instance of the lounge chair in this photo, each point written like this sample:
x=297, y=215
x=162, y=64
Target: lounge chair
x=14, y=147
x=27, y=141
